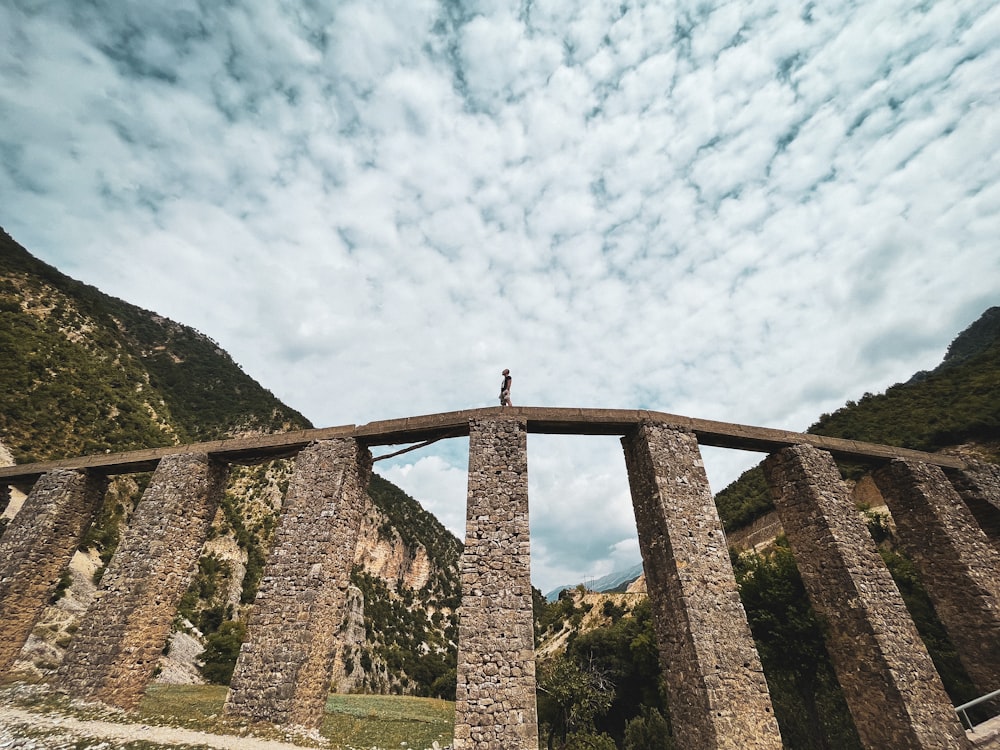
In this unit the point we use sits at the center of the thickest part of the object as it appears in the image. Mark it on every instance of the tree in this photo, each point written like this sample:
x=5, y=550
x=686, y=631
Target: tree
x=590, y=741
x=221, y=649
x=571, y=697
x=626, y=652
x=648, y=731
x=808, y=704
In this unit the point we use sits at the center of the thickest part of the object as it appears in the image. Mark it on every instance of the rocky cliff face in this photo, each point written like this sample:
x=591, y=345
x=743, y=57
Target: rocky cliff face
x=404, y=601
x=383, y=553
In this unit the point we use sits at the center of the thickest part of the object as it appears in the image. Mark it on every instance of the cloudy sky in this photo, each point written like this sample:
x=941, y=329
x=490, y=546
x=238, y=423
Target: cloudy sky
x=746, y=211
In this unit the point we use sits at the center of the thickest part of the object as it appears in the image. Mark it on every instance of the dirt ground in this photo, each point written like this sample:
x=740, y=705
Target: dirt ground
x=28, y=730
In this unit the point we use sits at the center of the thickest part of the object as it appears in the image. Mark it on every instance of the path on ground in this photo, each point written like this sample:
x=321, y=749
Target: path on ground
x=20, y=728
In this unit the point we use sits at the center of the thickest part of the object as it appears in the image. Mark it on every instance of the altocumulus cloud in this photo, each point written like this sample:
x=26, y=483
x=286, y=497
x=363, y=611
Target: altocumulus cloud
x=741, y=211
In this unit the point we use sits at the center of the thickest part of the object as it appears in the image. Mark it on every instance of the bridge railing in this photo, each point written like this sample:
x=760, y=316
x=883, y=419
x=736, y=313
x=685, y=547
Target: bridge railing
x=961, y=710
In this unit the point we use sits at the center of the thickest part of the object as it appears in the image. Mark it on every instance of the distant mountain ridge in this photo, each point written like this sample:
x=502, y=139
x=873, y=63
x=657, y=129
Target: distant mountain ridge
x=611, y=582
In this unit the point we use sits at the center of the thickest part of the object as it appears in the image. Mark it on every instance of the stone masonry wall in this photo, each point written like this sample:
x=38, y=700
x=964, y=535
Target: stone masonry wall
x=115, y=653
x=285, y=666
x=37, y=547
x=959, y=567
x=495, y=701
x=716, y=690
x=979, y=487
x=981, y=480
x=893, y=692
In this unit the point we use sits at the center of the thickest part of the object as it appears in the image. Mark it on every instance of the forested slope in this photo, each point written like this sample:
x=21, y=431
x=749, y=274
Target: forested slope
x=955, y=404
x=84, y=372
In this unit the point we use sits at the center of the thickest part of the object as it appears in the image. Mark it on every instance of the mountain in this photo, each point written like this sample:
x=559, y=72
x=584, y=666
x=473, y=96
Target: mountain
x=611, y=582
x=119, y=377
x=84, y=372
x=955, y=407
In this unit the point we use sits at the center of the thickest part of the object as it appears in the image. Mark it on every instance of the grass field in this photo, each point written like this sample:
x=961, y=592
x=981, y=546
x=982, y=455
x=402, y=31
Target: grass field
x=351, y=721
x=387, y=721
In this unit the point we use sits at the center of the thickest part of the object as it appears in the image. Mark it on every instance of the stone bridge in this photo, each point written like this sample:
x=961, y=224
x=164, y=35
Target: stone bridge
x=716, y=690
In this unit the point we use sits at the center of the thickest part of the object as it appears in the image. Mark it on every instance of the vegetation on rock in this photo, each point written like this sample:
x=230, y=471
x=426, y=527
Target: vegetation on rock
x=604, y=677
x=85, y=372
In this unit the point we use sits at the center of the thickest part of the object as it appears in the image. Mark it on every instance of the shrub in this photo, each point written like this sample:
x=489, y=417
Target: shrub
x=589, y=741
x=65, y=581
x=648, y=731
x=221, y=649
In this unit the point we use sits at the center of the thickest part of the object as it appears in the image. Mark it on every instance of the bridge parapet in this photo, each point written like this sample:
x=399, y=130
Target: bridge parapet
x=539, y=420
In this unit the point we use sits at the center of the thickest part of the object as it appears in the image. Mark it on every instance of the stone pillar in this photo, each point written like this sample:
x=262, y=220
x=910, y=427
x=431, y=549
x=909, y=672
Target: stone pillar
x=37, y=547
x=888, y=679
x=958, y=566
x=115, y=653
x=716, y=691
x=979, y=487
x=285, y=667
x=495, y=697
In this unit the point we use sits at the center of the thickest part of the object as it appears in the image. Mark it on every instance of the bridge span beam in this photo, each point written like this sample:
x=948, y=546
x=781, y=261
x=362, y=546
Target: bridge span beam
x=716, y=690
x=892, y=689
x=37, y=547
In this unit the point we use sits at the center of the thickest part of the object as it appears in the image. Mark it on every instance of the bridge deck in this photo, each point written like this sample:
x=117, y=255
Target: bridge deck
x=456, y=424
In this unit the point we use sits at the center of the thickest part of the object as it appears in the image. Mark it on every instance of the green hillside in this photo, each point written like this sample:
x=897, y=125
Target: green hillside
x=84, y=372
x=956, y=403
x=603, y=689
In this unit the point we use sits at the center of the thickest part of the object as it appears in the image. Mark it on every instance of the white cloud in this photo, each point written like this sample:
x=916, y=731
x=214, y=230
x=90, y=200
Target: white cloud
x=438, y=485
x=748, y=212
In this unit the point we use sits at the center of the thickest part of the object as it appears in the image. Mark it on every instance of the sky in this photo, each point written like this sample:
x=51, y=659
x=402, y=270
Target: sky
x=745, y=211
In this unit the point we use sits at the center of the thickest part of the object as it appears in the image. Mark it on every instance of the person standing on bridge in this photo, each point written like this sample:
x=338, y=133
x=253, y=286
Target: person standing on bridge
x=505, y=389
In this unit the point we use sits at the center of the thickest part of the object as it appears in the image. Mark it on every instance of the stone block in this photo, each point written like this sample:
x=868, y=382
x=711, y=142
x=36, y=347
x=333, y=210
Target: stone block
x=979, y=486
